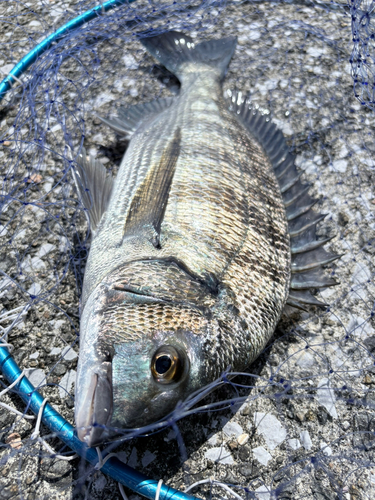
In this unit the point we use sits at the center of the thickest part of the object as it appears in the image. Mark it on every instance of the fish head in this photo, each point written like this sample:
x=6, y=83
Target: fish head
x=139, y=357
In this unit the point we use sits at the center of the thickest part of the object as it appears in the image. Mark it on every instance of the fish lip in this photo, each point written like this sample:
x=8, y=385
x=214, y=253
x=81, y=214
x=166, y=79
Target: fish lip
x=96, y=411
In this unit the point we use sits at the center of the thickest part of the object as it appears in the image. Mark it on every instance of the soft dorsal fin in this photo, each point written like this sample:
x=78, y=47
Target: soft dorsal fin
x=129, y=119
x=307, y=256
x=148, y=205
x=94, y=186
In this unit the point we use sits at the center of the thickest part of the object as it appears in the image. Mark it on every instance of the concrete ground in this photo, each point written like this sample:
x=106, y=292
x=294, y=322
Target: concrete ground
x=310, y=436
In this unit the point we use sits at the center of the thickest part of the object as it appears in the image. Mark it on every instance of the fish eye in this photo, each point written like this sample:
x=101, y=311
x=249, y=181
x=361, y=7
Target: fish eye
x=167, y=365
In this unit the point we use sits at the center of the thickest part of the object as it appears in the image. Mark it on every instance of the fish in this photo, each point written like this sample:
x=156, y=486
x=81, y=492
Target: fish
x=198, y=244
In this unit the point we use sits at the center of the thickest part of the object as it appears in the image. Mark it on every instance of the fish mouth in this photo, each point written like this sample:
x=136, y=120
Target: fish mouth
x=96, y=411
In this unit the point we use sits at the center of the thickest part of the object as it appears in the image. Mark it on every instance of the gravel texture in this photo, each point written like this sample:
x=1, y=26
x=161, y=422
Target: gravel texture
x=307, y=427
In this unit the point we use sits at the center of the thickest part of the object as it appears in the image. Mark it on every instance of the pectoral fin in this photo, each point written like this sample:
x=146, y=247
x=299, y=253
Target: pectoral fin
x=94, y=186
x=149, y=203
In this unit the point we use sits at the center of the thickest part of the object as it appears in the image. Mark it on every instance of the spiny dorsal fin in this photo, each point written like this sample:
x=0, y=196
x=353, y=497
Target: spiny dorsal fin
x=129, y=119
x=148, y=205
x=307, y=256
x=94, y=186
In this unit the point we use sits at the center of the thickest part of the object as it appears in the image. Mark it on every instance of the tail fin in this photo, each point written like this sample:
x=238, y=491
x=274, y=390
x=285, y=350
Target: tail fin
x=174, y=50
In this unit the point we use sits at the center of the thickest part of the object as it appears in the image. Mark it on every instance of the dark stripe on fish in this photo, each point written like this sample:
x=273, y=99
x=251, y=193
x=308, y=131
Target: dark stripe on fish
x=149, y=203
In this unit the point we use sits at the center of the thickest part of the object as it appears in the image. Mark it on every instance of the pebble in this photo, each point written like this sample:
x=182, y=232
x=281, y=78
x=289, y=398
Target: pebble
x=340, y=166
x=59, y=370
x=244, y=453
x=249, y=470
x=130, y=61
x=100, y=482
x=263, y=493
x=345, y=425
x=14, y=440
x=270, y=428
x=34, y=179
x=102, y=99
x=34, y=289
x=360, y=276
x=6, y=68
x=232, y=429
x=55, y=467
x=305, y=360
x=262, y=455
x=32, y=264
x=148, y=457
x=69, y=353
x=326, y=397
x=55, y=351
x=243, y=439
x=294, y=443
x=327, y=450
x=219, y=455
x=36, y=376
x=57, y=324
x=98, y=138
x=370, y=343
x=367, y=380
x=30, y=479
x=232, y=445
x=66, y=383
x=361, y=328
x=316, y=51
x=306, y=440
x=212, y=440
x=45, y=249
x=133, y=458
x=300, y=416
x=245, y=410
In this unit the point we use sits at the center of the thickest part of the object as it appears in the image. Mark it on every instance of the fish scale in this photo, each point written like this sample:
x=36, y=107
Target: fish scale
x=198, y=244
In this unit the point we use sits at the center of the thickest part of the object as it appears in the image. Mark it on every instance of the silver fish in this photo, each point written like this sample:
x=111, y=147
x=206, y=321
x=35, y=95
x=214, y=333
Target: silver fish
x=197, y=245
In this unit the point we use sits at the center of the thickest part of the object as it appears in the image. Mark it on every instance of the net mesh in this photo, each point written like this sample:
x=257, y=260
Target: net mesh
x=301, y=423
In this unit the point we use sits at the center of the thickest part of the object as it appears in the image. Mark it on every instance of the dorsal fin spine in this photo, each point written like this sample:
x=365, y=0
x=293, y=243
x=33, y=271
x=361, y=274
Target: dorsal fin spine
x=308, y=256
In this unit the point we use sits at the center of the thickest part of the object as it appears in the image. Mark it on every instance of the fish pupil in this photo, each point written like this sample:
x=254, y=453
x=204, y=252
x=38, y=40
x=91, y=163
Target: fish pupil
x=163, y=364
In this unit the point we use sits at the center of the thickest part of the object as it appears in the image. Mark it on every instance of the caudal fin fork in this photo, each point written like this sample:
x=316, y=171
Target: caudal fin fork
x=174, y=50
